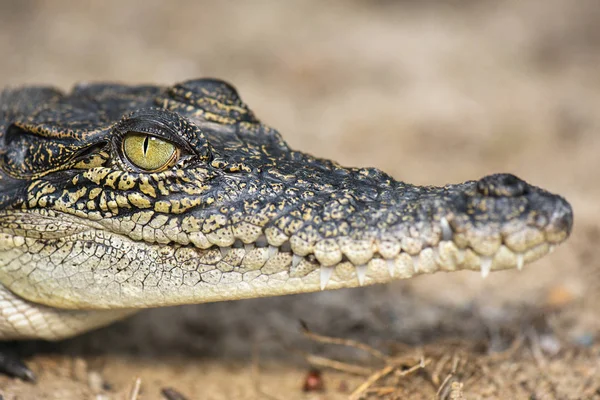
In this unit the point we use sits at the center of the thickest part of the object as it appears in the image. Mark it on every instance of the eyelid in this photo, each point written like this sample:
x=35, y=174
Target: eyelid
x=152, y=127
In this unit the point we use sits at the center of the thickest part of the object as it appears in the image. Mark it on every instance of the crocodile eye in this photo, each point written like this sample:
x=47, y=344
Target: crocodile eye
x=148, y=152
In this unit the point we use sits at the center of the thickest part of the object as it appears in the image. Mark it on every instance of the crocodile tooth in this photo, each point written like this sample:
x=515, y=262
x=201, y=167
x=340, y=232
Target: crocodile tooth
x=248, y=247
x=391, y=267
x=486, y=266
x=224, y=251
x=446, y=230
x=551, y=248
x=326, y=273
x=272, y=251
x=415, y=260
x=361, y=273
x=520, y=261
x=296, y=260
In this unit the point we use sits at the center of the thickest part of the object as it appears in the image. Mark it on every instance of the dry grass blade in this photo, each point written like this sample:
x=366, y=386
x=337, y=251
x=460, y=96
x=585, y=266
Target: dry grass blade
x=370, y=381
x=135, y=391
x=366, y=385
x=337, y=365
x=344, y=342
x=382, y=390
x=422, y=364
x=439, y=394
x=444, y=390
x=437, y=371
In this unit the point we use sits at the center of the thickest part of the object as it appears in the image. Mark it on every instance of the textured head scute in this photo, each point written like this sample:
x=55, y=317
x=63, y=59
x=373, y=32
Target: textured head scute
x=209, y=99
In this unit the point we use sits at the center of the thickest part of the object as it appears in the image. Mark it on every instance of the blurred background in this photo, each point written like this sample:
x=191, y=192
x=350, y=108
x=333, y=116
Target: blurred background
x=432, y=92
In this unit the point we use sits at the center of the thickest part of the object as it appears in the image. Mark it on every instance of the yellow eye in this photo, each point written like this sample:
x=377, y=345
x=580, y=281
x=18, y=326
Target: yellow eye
x=149, y=153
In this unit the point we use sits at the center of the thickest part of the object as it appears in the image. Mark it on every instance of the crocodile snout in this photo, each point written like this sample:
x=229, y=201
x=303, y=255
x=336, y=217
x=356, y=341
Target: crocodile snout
x=560, y=221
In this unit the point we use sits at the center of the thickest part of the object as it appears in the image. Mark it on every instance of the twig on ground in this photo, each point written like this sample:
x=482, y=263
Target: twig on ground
x=443, y=391
x=392, y=364
x=135, y=391
x=337, y=365
x=383, y=372
x=370, y=381
x=382, y=390
x=443, y=386
x=422, y=364
x=439, y=366
x=344, y=342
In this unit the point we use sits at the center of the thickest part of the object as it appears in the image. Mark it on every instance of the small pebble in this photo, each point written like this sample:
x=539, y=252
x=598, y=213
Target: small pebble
x=313, y=381
x=172, y=394
x=550, y=344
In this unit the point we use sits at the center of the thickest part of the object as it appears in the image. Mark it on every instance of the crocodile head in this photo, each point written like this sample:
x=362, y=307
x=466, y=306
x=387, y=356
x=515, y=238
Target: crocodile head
x=140, y=196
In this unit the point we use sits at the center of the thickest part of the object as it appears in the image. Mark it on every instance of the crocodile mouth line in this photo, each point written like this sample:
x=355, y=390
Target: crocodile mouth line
x=448, y=254
x=265, y=266
x=400, y=264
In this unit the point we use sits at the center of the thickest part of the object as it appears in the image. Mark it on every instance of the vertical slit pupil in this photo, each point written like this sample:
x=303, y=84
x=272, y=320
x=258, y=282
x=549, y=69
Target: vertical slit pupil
x=146, y=140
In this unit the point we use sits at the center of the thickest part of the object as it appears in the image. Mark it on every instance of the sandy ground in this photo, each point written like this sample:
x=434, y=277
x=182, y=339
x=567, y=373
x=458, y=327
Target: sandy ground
x=431, y=93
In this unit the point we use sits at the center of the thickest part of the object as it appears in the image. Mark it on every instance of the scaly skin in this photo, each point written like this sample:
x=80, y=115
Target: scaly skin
x=87, y=237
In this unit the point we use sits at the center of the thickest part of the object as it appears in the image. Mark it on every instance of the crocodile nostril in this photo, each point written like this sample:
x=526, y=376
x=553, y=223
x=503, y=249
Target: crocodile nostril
x=502, y=185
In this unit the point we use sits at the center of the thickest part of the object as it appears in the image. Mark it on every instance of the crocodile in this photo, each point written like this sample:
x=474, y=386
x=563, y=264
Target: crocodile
x=116, y=198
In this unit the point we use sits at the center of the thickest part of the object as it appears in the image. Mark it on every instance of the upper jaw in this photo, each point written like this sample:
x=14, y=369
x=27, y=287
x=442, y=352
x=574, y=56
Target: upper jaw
x=407, y=222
